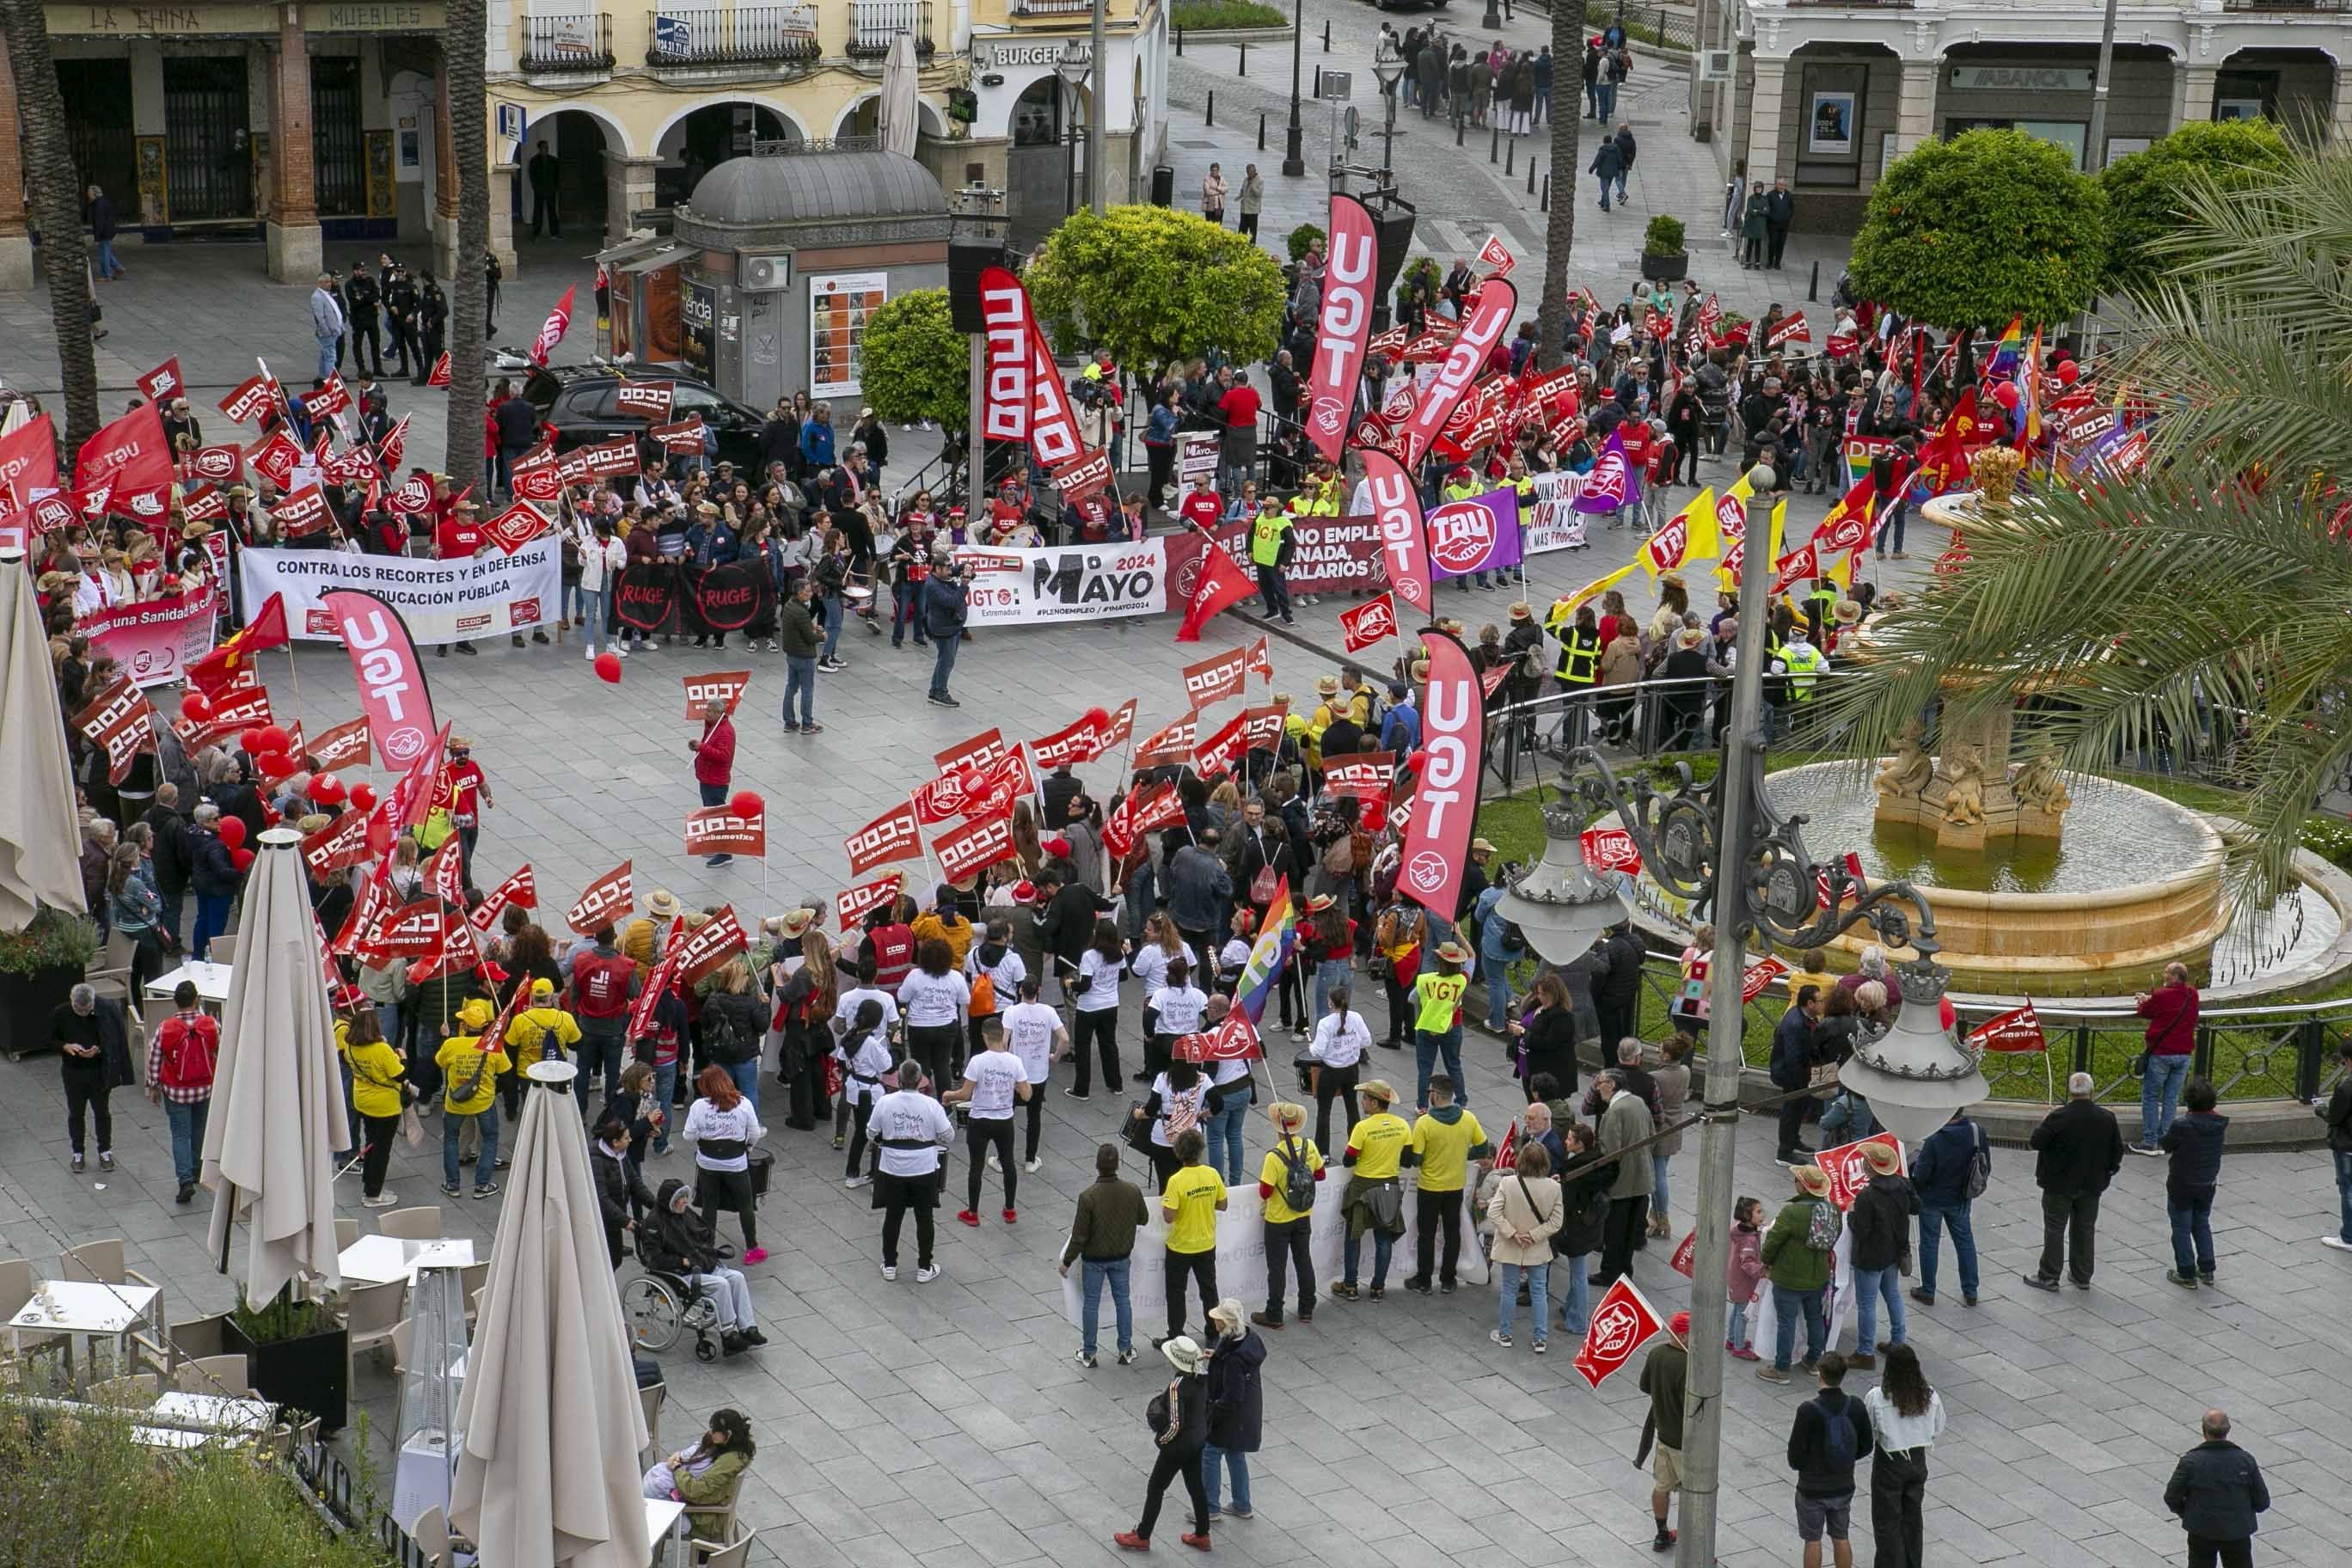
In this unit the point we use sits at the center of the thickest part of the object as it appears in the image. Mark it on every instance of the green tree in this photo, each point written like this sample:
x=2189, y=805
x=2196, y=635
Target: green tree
x=1991, y=224
x=57, y=210
x=1568, y=37
x=2145, y=191
x=2180, y=602
x=1153, y=286
x=463, y=68
x=915, y=365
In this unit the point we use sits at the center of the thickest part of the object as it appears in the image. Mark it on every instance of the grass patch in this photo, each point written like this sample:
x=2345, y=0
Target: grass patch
x=1211, y=16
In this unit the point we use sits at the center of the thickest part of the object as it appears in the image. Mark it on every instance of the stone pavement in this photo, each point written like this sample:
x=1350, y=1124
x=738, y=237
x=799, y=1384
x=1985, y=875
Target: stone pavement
x=947, y=1422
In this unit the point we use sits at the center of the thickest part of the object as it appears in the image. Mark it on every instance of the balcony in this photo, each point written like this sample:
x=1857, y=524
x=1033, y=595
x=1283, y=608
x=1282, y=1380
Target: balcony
x=732, y=36
x=579, y=43
x=1025, y=8
x=874, y=23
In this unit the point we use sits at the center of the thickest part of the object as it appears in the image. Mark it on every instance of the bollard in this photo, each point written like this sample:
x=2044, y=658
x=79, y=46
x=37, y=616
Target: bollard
x=1510, y=157
x=1179, y=40
x=1813, y=288
x=1545, y=205
x=1493, y=143
x=1245, y=59
x=1319, y=82
x=1327, y=37
x=1531, y=175
x=1261, y=130
x=1210, y=117
x=1457, y=132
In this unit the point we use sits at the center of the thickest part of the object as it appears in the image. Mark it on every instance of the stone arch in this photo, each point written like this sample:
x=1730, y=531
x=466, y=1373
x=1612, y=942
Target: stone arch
x=796, y=128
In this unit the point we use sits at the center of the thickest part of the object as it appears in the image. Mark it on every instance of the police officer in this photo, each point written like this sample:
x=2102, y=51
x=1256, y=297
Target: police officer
x=432, y=320
x=360, y=298
x=1270, y=547
x=1578, y=671
x=399, y=314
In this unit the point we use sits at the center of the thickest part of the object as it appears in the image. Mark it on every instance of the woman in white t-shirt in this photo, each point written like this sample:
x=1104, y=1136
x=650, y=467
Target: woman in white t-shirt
x=864, y=1053
x=1034, y=1032
x=1176, y=1008
x=1341, y=1038
x=934, y=997
x=1181, y=1099
x=994, y=1081
x=1095, y=988
x=1236, y=1092
x=1160, y=946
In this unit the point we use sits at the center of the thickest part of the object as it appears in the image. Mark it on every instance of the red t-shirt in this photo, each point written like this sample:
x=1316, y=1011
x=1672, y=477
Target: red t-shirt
x=1240, y=406
x=459, y=785
x=1637, y=444
x=714, y=759
x=458, y=538
x=1200, y=509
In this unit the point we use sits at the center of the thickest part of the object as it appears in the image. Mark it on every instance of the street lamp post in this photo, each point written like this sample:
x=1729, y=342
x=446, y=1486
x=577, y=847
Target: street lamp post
x=1294, y=136
x=1075, y=63
x=1915, y=1075
x=1098, y=114
x=1389, y=67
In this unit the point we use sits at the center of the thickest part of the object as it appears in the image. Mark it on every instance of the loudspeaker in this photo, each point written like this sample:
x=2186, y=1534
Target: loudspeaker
x=967, y=257
x=1393, y=224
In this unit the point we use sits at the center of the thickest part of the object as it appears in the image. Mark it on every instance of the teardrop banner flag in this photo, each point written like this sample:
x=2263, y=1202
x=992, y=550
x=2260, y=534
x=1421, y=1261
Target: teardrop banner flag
x=1440, y=822
x=1404, y=544
x=1345, y=321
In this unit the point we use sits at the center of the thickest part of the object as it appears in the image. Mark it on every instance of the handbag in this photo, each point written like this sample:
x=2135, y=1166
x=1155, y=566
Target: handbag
x=1155, y=1414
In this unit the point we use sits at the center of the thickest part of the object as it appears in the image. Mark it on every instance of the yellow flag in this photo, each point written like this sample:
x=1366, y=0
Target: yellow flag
x=1732, y=511
x=1564, y=608
x=1688, y=537
x=1727, y=573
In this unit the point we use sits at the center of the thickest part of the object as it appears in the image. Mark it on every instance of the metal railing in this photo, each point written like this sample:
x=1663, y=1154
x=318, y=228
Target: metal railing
x=2317, y=6
x=1053, y=7
x=731, y=35
x=874, y=23
x=329, y=1484
x=576, y=41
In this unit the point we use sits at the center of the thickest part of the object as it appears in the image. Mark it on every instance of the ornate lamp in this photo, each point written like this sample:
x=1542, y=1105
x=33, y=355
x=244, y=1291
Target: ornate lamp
x=1918, y=1072
x=1561, y=904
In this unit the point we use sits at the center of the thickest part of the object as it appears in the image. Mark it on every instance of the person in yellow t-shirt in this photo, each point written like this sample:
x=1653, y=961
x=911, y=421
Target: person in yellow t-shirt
x=1812, y=968
x=1286, y=1227
x=1437, y=1018
x=470, y=1097
x=545, y=1032
x=1378, y=1146
x=376, y=1073
x=1194, y=1196
x=1448, y=1140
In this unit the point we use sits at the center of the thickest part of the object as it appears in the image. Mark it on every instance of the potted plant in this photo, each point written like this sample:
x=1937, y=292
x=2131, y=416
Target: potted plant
x=40, y=967
x=298, y=1353
x=1664, y=260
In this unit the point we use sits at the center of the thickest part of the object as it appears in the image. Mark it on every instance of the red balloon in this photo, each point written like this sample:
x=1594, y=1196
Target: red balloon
x=2005, y=394
x=326, y=789
x=746, y=803
x=196, y=706
x=362, y=797
x=274, y=739
x=2069, y=373
x=274, y=766
x=232, y=831
x=249, y=741
x=970, y=781
x=1098, y=718
x=1416, y=762
x=608, y=669
x=240, y=859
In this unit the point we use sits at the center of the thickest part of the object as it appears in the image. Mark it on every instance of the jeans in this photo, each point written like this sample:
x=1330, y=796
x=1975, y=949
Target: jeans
x=1786, y=1305
x=108, y=265
x=906, y=610
x=1234, y=1459
x=1592, y=101
x=1604, y=193
x=1223, y=1131
x=485, y=1167
x=2344, y=1193
x=1735, y=1327
x=1658, y=1159
x=2190, y=1211
x=330, y=350
x=1543, y=104
x=1329, y=973
x=1426, y=1048
x=212, y=918
x=1274, y=591
x=1891, y=527
x=595, y=618
x=1964, y=1242
x=1498, y=992
x=188, y=1141
x=1097, y=1275
x=943, y=661
x=602, y=1053
x=800, y=676
x=831, y=606
x=1849, y=1114
x=1872, y=1286
x=2159, y=1096
x=1608, y=99
x=665, y=1086
x=746, y=1074
x=1383, y=1244
x=1538, y=1278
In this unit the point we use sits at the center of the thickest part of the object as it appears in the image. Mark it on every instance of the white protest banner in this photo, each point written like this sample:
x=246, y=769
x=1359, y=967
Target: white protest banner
x=1079, y=583
x=1554, y=523
x=442, y=601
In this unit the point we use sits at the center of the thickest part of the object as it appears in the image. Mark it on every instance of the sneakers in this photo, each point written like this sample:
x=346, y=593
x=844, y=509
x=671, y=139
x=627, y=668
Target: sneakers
x=2337, y=1242
x=1265, y=1321
x=1012, y=1217
x=2146, y=1150
x=855, y=1182
x=78, y=1162
x=756, y=1255
x=1127, y=1540
x=1771, y=1374
x=2039, y=1283
x=1499, y=1337
x=966, y=1217
x=927, y=1273
x=486, y=1190
x=1074, y=1094
x=943, y=699
x=2185, y=1281
x=106, y=1159
x=452, y=1190
x=1344, y=1292
x=1197, y=1542
x=831, y=665
x=380, y=1200
x=186, y=1194
x=1862, y=1359
x=889, y=1271
x=1084, y=1360
x=991, y=1160
x=1537, y=1347
x=1741, y=1353
x=1031, y=1164
x=1663, y=1541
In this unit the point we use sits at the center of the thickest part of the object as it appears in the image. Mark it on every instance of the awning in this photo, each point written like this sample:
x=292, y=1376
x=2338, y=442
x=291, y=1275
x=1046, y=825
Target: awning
x=667, y=254
x=631, y=250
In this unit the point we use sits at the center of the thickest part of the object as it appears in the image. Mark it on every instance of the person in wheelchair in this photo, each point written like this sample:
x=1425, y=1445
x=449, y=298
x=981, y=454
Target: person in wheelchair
x=680, y=1243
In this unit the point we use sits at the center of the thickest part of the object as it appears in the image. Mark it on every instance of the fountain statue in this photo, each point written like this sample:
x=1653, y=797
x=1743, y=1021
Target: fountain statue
x=1907, y=773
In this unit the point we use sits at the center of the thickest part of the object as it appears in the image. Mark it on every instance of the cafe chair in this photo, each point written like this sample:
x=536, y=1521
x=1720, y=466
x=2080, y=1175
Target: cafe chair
x=347, y=1231
x=229, y=1376
x=716, y=1520
x=109, y=975
x=370, y=1312
x=653, y=1396
x=471, y=1280
x=16, y=1289
x=431, y=1533
x=404, y=1334
x=420, y=1224
x=710, y=1554
x=138, y=1388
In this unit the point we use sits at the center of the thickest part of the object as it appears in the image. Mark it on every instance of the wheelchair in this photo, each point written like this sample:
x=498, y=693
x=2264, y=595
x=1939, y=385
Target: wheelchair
x=658, y=1306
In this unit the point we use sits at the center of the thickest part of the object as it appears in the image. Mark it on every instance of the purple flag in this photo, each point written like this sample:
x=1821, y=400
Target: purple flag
x=1480, y=533
x=1612, y=484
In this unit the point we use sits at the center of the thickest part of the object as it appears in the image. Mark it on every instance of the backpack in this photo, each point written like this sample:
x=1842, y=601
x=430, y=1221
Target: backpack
x=1297, y=1176
x=1837, y=1441
x=1979, y=1167
x=1822, y=1228
x=1339, y=857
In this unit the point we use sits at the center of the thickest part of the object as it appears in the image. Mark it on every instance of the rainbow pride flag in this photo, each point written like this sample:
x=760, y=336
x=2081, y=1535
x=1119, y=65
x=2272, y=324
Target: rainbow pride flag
x=1276, y=935
x=2009, y=351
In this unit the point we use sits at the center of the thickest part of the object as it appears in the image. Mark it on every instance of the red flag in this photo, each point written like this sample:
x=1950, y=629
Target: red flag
x=440, y=377
x=1444, y=806
x=412, y=795
x=1361, y=777
x=457, y=953
x=1497, y=255
x=515, y=526
x=1214, y=680
x=663, y=978
x=391, y=676
x=344, y=746
x=982, y=752
x=1622, y=1322
x=274, y=457
x=1079, y=741
x=722, y=830
x=1234, y=1040
x=394, y=442
x=648, y=400
x=1220, y=585
x=212, y=672
x=602, y=902
x=327, y=399
x=551, y=331
x=893, y=836
x=341, y=843
x=130, y=452
x=1681, y=1262
x=248, y=398
x=1404, y=542
x=164, y=382
x=1848, y=1166
x=966, y=851
x=120, y=721
x=1788, y=326
x=853, y=904
x=2019, y=1029
x=1120, y=729
x=1611, y=849
x=1822, y=880
x=1490, y=313
x=1368, y=622
x=303, y=513
x=1172, y=744
x=519, y=890
x=1222, y=753
x=719, y=939
x=1346, y=319
x=445, y=870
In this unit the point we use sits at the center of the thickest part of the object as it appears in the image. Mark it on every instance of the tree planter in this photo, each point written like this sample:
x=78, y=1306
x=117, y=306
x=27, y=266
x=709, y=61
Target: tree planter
x=1666, y=269
x=25, y=1003
x=311, y=1373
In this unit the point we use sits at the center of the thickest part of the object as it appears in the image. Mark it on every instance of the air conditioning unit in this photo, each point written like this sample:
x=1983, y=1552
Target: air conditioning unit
x=1715, y=65
x=767, y=274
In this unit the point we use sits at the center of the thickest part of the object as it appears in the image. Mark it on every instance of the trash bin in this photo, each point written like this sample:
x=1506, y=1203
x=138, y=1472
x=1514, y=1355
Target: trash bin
x=1163, y=186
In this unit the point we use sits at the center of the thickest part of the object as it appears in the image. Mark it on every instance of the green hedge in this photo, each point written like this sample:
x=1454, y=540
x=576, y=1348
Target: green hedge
x=1209, y=15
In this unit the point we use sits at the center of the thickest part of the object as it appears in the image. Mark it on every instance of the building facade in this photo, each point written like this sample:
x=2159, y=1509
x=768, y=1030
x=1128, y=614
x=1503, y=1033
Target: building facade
x=1827, y=95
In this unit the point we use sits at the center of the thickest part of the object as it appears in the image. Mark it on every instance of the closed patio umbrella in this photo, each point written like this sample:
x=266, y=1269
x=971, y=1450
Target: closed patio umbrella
x=40, y=838
x=894, y=115
x=551, y=1419
x=277, y=1113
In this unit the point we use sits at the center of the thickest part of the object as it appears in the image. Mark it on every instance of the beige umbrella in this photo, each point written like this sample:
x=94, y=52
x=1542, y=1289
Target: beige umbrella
x=278, y=1110
x=40, y=838
x=550, y=1415
x=895, y=115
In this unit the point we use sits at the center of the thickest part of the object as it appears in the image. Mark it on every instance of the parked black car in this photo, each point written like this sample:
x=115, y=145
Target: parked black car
x=578, y=401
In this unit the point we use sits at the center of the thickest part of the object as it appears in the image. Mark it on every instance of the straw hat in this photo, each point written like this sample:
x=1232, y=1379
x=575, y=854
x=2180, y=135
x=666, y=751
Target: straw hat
x=1318, y=903
x=1481, y=847
x=1182, y=1353
x=1881, y=1159
x=1328, y=686
x=663, y=905
x=1286, y=1116
x=1813, y=1178
x=794, y=922
x=1690, y=637
x=1378, y=1088
x=1521, y=612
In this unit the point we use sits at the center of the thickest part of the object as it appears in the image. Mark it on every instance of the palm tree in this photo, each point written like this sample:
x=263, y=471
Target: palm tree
x=2199, y=604
x=464, y=42
x=1559, y=230
x=57, y=207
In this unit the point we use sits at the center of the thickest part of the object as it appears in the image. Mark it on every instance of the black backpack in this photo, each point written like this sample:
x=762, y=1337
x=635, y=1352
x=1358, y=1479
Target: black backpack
x=1297, y=1175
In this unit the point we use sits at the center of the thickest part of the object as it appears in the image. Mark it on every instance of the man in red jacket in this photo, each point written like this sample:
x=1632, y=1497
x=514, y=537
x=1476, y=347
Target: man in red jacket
x=714, y=761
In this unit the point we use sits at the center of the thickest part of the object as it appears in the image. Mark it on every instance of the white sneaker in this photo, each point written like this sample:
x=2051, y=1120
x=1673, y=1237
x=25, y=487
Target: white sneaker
x=2337, y=1242
x=589, y=654
x=1031, y=1165
x=386, y=1200
x=858, y=1181
x=621, y=652
x=925, y=1274
x=991, y=1160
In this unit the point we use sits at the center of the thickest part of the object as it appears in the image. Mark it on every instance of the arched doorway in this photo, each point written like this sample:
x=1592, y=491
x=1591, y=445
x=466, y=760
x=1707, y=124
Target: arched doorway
x=700, y=140
x=1044, y=170
x=577, y=142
